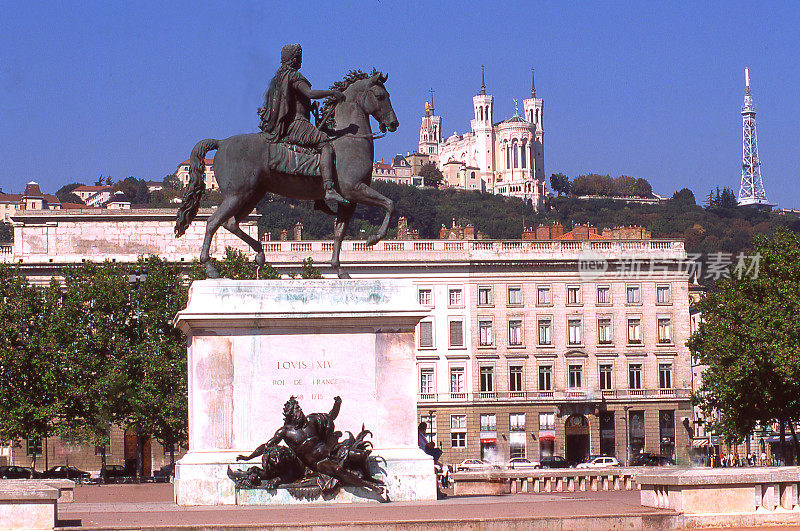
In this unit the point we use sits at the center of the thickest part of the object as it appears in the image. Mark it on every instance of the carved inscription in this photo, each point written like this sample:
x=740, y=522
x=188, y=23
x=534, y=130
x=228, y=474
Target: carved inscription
x=304, y=364
x=316, y=383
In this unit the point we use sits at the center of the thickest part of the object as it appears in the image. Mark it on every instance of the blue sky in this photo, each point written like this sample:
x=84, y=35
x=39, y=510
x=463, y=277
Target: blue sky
x=646, y=89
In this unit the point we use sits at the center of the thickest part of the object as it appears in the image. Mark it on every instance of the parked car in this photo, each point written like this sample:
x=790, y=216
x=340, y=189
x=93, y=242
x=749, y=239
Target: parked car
x=18, y=472
x=116, y=474
x=599, y=462
x=522, y=463
x=554, y=461
x=65, y=472
x=648, y=459
x=164, y=474
x=641, y=459
x=474, y=465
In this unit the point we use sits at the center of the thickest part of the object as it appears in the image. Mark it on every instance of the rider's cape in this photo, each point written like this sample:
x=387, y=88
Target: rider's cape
x=295, y=160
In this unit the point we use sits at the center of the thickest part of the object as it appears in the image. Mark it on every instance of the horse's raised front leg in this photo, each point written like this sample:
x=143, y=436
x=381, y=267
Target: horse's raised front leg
x=366, y=195
x=343, y=215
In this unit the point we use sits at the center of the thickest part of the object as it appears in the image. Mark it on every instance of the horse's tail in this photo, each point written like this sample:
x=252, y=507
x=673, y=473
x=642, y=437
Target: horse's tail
x=196, y=186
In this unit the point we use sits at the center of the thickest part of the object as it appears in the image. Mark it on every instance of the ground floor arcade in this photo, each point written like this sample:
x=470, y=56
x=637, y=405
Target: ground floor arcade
x=497, y=433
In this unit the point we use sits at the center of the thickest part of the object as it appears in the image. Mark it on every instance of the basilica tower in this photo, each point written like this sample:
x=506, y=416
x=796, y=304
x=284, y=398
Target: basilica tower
x=483, y=106
x=534, y=108
x=430, y=132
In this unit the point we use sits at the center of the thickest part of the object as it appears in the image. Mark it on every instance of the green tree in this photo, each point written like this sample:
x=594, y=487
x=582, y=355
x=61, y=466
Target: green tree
x=642, y=188
x=135, y=190
x=559, y=183
x=593, y=184
x=172, y=182
x=724, y=200
x=156, y=363
x=65, y=194
x=235, y=265
x=308, y=270
x=6, y=232
x=163, y=198
x=625, y=186
x=30, y=404
x=142, y=196
x=94, y=326
x=727, y=199
x=431, y=176
x=750, y=340
x=684, y=197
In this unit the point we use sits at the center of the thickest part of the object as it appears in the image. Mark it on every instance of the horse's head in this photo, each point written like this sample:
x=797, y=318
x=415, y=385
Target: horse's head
x=375, y=101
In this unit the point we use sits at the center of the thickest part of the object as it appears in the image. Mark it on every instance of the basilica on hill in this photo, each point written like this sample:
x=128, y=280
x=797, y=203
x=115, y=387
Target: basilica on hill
x=505, y=157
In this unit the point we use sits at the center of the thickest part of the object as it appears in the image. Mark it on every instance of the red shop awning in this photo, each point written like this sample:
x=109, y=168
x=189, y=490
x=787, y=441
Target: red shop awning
x=493, y=440
x=547, y=437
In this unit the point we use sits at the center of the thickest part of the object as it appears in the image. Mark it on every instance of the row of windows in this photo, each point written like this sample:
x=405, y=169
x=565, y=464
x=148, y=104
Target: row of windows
x=488, y=423
x=575, y=328
x=544, y=295
x=513, y=153
x=575, y=373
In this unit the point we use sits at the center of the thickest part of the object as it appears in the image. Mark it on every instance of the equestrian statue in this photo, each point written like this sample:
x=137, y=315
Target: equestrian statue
x=293, y=158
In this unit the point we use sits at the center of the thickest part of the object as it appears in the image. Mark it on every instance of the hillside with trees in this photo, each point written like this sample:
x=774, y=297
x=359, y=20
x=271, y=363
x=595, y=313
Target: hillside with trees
x=717, y=226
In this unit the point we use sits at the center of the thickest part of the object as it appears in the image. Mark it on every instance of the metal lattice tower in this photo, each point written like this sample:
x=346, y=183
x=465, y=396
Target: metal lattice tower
x=751, y=192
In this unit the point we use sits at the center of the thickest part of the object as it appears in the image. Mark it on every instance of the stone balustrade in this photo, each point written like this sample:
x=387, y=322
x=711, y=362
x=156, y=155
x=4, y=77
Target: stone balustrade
x=733, y=490
x=279, y=252
x=543, y=480
x=6, y=252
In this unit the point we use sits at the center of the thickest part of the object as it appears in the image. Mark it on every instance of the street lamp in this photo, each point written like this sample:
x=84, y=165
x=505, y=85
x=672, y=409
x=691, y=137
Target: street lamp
x=138, y=276
x=627, y=445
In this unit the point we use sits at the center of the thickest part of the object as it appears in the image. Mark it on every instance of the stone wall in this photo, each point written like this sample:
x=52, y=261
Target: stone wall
x=72, y=236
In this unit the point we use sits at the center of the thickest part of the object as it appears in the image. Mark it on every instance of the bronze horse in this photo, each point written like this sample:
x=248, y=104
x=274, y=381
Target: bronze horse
x=244, y=178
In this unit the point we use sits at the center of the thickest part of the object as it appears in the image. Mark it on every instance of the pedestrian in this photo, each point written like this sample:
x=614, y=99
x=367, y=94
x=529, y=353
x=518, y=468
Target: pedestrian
x=446, y=476
x=763, y=458
x=425, y=445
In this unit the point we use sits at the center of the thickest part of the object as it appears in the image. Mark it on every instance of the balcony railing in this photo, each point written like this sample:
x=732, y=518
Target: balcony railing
x=571, y=395
x=481, y=249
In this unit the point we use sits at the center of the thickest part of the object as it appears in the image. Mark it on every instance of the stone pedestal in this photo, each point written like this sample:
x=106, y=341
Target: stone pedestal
x=253, y=344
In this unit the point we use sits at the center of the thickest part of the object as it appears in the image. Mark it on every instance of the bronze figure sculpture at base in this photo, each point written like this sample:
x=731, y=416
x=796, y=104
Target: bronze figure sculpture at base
x=293, y=158
x=313, y=461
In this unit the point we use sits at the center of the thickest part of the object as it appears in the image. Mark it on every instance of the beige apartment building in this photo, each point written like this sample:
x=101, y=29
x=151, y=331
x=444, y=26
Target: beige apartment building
x=182, y=173
x=529, y=351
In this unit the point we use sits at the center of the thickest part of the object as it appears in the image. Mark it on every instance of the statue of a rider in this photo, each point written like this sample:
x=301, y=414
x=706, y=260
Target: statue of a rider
x=286, y=113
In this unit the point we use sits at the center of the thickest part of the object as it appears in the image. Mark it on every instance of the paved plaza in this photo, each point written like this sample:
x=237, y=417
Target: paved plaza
x=151, y=507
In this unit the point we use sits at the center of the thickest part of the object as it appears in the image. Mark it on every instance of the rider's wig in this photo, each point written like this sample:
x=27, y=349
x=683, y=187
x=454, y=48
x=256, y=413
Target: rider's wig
x=290, y=52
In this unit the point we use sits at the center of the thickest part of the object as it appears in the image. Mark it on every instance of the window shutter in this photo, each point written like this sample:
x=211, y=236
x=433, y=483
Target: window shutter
x=426, y=334
x=456, y=336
